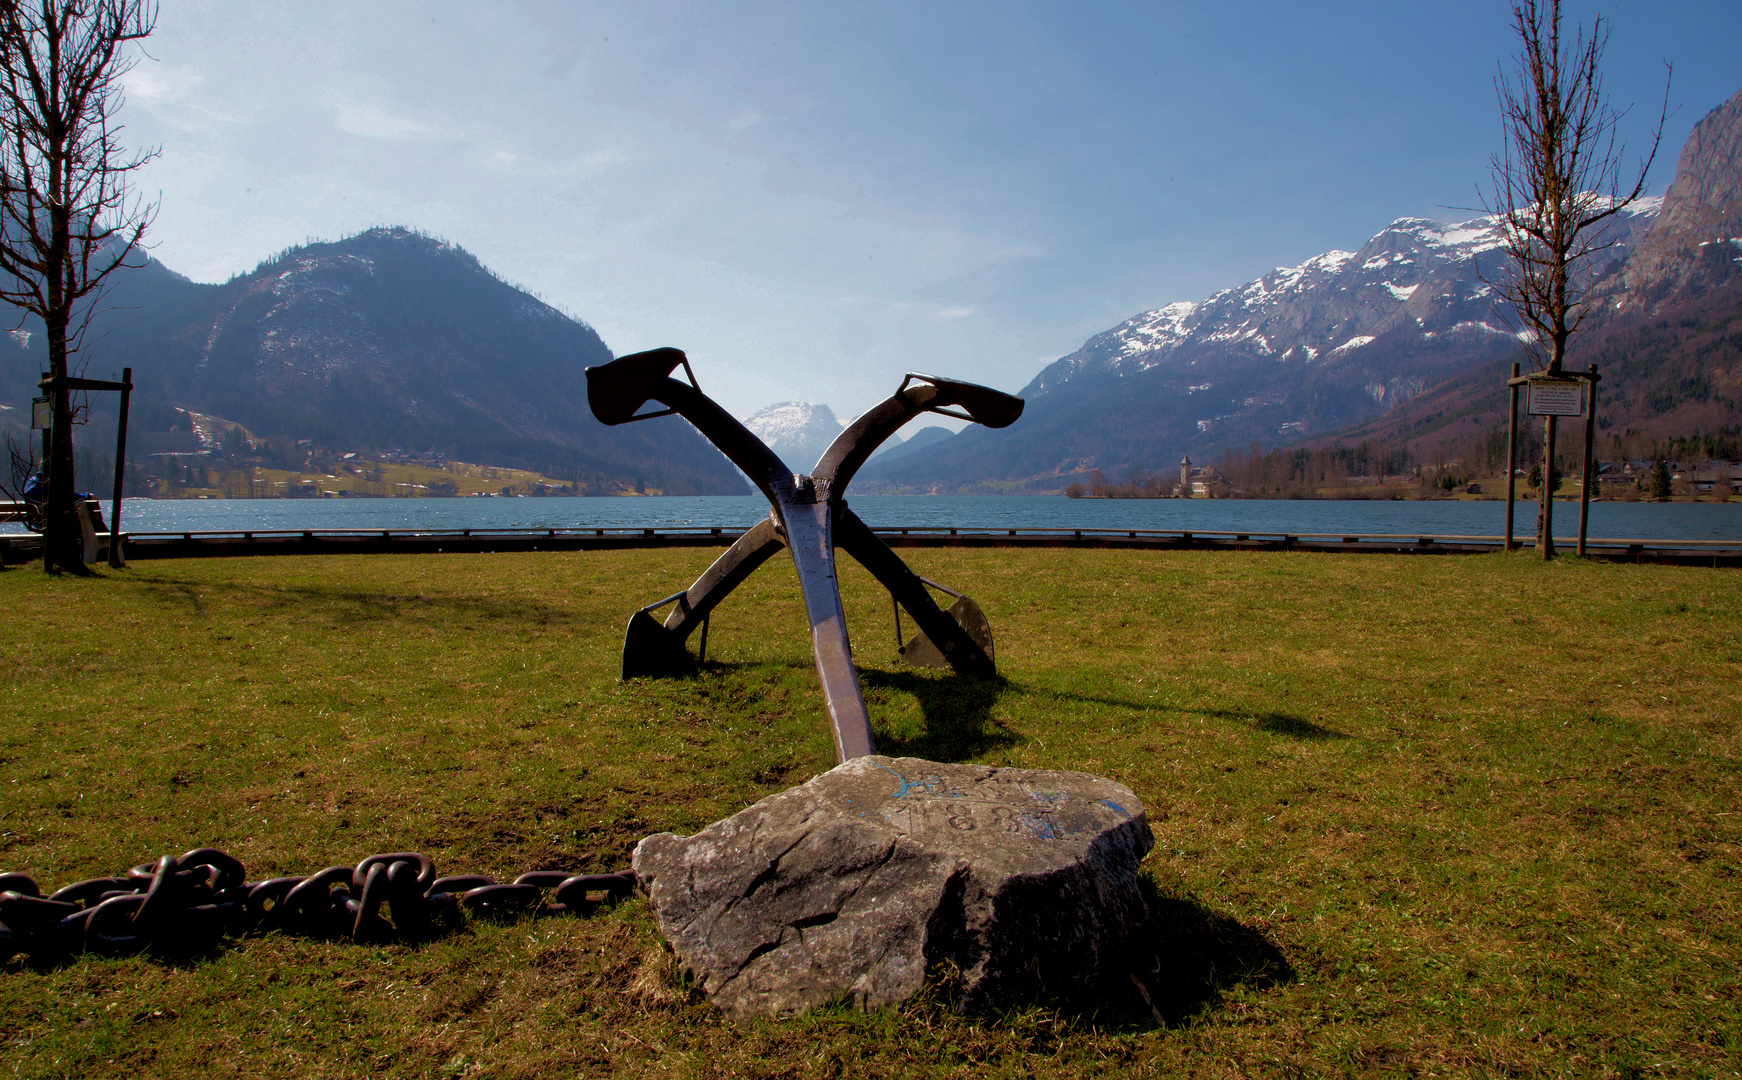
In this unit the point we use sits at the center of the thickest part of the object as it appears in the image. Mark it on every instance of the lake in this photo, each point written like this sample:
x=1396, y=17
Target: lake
x=1641, y=520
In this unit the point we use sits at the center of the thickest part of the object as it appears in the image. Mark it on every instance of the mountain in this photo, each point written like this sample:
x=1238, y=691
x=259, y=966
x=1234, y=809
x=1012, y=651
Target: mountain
x=798, y=431
x=1396, y=345
x=1665, y=329
x=919, y=440
x=1696, y=242
x=1673, y=375
x=1336, y=340
x=387, y=339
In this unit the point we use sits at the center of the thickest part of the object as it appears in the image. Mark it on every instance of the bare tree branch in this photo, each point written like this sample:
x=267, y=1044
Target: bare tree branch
x=1558, y=177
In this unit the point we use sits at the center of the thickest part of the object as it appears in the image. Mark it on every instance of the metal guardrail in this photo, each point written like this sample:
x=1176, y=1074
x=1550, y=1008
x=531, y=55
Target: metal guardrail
x=18, y=547
x=1278, y=536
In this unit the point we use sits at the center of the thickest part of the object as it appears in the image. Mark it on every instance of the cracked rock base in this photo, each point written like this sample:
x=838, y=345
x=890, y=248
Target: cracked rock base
x=854, y=885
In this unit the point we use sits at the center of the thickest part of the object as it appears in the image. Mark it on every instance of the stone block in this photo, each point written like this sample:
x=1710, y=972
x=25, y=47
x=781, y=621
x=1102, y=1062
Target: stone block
x=856, y=884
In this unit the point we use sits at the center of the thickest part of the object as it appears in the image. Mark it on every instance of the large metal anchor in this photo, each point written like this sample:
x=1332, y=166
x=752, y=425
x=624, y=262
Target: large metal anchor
x=809, y=517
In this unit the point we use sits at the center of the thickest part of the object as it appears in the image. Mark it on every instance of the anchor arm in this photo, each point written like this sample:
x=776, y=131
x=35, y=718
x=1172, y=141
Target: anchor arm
x=616, y=390
x=963, y=653
x=652, y=649
x=916, y=394
x=747, y=553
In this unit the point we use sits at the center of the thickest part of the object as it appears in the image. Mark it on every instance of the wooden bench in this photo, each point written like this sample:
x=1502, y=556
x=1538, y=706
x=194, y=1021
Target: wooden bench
x=96, y=547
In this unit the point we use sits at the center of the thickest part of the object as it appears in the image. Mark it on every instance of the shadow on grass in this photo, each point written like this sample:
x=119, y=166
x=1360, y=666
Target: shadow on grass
x=191, y=943
x=1178, y=966
x=957, y=708
x=1293, y=726
x=957, y=711
x=364, y=605
x=1188, y=956
x=1274, y=723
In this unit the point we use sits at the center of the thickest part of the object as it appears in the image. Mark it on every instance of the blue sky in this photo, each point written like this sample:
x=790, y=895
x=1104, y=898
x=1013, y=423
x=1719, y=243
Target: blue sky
x=812, y=199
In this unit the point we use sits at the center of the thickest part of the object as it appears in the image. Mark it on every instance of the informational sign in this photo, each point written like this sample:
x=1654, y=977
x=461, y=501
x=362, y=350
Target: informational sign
x=1557, y=397
x=41, y=416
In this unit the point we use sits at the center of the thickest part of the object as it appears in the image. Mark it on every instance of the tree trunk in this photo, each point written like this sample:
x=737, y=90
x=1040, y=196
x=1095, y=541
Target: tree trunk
x=1545, y=493
x=63, y=547
x=63, y=541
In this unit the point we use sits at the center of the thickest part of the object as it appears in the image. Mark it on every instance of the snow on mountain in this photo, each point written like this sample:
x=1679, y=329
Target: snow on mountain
x=798, y=431
x=1307, y=349
x=1417, y=278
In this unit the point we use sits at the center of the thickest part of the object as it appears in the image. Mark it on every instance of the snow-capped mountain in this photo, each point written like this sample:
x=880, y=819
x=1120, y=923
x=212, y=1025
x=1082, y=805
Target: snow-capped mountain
x=1417, y=278
x=799, y=431
x=1301, y=351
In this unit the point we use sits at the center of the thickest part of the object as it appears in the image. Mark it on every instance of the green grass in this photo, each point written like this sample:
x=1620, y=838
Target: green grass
x=1414, y=816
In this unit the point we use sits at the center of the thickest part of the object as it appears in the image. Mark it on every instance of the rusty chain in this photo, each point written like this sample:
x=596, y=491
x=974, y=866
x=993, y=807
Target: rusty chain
x=189, y=903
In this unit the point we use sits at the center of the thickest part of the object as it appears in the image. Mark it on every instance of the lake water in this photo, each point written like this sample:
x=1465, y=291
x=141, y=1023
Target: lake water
x=1642, y=520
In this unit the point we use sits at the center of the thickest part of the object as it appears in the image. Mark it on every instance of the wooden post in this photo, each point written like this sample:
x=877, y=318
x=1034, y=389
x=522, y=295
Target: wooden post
x=1511, y=452
x=45, y=432
x=1590, y=430
x=1545, y=494
x=120, y=471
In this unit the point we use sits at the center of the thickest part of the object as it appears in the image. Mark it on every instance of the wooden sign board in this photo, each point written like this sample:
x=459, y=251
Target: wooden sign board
x=41, y=416
x=1557, y=397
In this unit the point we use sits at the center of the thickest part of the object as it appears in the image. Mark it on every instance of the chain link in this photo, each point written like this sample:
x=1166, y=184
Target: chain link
x=190, y=903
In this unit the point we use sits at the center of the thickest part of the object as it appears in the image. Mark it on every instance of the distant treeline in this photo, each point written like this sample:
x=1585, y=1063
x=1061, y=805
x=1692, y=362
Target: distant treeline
x=1297, y=472
x=1302, y=472
x=1722, y=445
x=1257, y=474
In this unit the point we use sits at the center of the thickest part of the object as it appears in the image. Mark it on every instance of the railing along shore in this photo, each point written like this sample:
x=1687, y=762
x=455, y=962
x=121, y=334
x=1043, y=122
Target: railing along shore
x=15, y=547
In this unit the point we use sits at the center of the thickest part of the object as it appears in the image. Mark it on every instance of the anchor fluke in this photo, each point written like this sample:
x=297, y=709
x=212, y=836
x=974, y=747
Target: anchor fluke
x=921, y=651
x=980, y=404
x=652, y=651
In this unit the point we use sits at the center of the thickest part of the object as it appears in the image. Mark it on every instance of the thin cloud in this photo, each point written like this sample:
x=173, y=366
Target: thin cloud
x=158, y=84
x=373, y=123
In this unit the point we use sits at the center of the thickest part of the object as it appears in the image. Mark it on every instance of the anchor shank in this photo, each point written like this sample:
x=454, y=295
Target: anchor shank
x=808, y=538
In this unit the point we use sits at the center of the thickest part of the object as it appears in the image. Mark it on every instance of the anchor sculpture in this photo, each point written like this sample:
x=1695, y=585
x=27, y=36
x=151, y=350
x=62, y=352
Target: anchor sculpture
x=809, y=517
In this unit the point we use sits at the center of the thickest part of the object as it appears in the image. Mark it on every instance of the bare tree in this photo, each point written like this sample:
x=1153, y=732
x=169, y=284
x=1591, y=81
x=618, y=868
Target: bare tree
x=20, y=465
x=68, y=218
x=1555, y=183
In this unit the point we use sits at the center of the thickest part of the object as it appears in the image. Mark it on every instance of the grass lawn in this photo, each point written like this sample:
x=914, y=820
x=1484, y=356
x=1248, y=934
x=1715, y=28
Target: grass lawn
x=1414, y=816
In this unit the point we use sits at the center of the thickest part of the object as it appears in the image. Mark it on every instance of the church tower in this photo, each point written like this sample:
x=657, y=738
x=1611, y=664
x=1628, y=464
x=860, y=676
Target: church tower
x=1185, y=477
